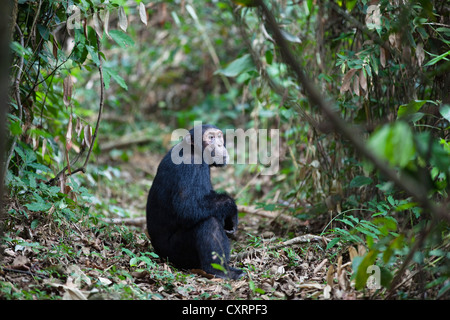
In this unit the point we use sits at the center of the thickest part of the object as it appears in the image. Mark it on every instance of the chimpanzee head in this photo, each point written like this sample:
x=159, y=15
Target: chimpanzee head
x=208, y=142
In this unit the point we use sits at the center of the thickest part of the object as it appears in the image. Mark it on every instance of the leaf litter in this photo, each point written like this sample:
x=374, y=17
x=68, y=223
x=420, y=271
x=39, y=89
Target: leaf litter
x=82, y=260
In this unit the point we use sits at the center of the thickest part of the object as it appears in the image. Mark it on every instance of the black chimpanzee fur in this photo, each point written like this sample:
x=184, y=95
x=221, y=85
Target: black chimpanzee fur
x=187, y=220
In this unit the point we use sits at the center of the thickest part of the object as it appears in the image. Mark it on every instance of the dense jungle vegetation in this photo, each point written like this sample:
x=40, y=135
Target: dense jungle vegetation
x=359, y=91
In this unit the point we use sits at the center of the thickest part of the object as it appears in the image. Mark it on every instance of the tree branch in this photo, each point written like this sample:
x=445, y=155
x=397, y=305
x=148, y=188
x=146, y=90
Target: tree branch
x=100, y=111
x=416, y=190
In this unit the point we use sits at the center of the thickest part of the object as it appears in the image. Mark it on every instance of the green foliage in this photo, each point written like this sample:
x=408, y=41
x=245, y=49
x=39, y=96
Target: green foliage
x=188, y=62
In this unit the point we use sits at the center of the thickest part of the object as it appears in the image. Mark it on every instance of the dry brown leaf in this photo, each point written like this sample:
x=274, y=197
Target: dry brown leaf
x=69, y=134
x=123, y=22
x=339, y=265
x=352, y=252
x=55, y=48
x=383, y=57
x=363, y=80
x=142, y=13
x=106, y=23
x=67, y=90
x=87, y=135
x=310, y=286
x=78, y=127
x=20, y=262
x=344, y=284
x=97, y=24
x=356, y=85
x=320, y=266
x=330, y=275
x=73, y=294
x=420, y=54
x=361, y=250
x=345, y=86
x=326, y=292
x=44, y=147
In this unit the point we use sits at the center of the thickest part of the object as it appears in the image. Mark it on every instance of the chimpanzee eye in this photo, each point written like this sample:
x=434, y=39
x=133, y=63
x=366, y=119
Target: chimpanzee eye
x=211, y=138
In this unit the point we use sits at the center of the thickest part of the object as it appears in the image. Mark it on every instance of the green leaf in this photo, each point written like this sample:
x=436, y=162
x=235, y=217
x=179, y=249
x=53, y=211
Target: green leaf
x=218, y=267
x=361, y=267
x=310, y=4
x=43, y=31
x=121, y=38
x=134, y=261
x=350, y=4
x=113, y=74
x=445, y=111
x=128, y=252
x=269, y=56
x=410, y=108
x=395, y=143
x=34, y=224
x=332, y=243
x=38, y=206
x=360, y=181
x=94, y=54
x=15, y=127
x=437, y=59
x=237, y=67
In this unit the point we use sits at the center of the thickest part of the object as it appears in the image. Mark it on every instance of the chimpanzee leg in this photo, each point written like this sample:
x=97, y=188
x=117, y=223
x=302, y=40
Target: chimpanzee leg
x=213, y=246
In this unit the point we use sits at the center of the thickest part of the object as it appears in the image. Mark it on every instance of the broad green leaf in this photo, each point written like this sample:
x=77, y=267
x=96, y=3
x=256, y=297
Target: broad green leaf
x=16, y=128
x=350, y=4
x=309, y=4
x=360, y=181
x=94, y=54
x=121, y=38
x=361, y=267
x=437, y=59
x=332, y=243
x=38, y=206
x=410, y=108
x=134, y=261
x=113, y=74
x=394, y=143
x=237, y=67
x=445, y=111
x=218, y=267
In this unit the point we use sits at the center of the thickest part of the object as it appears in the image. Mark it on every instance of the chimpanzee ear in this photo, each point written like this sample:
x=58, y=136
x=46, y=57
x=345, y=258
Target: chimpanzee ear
x=188, y=139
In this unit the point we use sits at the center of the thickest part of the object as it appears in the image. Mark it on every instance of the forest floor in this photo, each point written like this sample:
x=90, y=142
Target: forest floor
x=94, y=259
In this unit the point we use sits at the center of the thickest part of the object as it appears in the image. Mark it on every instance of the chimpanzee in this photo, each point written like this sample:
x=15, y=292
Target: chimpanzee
x=187, y=221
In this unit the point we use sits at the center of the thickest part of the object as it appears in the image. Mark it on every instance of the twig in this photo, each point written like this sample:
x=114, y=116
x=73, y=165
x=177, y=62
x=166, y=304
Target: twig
x=18, y=101
x=306, y=238
x=282, y=92
x=126, y=142
x=30, y=273
x=102, y=102
x=417, y=245
x=268, y=214
x=406, y=183
x=412, y=187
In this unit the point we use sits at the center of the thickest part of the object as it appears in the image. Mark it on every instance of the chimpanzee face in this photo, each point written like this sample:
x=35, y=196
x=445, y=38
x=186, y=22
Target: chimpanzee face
x=214, y=151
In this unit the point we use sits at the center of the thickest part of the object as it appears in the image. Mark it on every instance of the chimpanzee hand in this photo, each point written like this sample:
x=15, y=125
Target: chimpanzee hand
x=230, y=226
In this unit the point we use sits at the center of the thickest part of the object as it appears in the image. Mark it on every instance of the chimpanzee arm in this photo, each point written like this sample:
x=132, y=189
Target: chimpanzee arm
x=220, y=205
